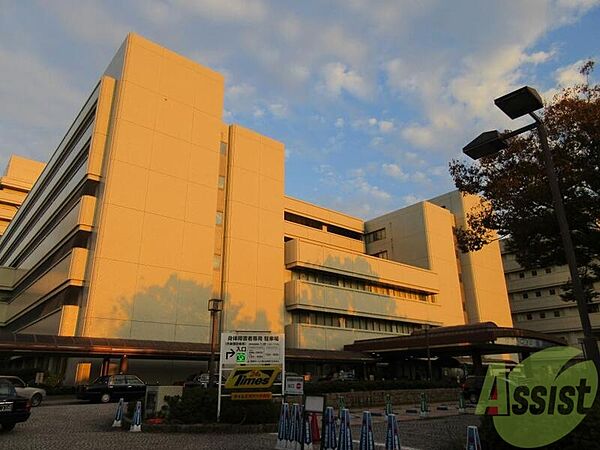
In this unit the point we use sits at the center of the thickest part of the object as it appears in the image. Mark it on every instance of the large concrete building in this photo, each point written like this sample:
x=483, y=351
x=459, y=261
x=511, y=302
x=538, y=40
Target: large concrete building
x=18, y=178
x=151, y=205
x=536, y=304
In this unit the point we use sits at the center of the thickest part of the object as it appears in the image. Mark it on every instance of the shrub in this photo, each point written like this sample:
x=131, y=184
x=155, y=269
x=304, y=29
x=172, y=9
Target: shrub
x=199, y=405
x=325, y=387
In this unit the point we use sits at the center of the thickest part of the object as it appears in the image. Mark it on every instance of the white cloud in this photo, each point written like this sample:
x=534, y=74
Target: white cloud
x=245, y=11
x=337, y=77
x=38, y=103
x=570, y=75
x=411, y=199
x=236, y=92
x=89, y=20
x=419, y=136
x=278, y=110
x=420, y=177
x=339, y=123
x=354, y=193
x=385, y=126
x=394, y=171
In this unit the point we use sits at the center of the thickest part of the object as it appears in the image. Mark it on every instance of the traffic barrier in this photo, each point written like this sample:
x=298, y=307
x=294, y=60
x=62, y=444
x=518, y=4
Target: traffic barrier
x=388, y=405
x=424, y=408
x=473, y=442
x=314, y=428
x=392, y=435
x=282, y=426
x=307, y=438
x=367, y=440
x=295, y=428
x=329, y=441
x=461, y=403
x=345, y=440
x=136, y=423
x=118, y=415
x=341, y=405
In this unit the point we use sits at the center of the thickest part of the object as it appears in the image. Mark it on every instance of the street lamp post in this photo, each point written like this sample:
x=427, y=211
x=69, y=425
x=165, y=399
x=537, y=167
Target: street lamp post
x=526, y=101
x=215, y=305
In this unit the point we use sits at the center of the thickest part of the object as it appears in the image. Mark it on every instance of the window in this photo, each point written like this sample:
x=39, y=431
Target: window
x=538, y=293
x=556, y=313
x=219, y=219
x=525, y=295
x=521, y=274
x=344, y=232
x=223, y=148
x=382, y=255
x=542, y=315
x=221, y=182
x=534, y=273
x=301, y=220
x=132, y=379
x=548, y=270
x=529, y=317
x=118, y=379
x=552, y=292
x=17, y=382
x=374, y=236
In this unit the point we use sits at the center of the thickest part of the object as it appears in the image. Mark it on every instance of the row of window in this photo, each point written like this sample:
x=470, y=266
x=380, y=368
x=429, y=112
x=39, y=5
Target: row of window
x=355, y=323
x=318, y=225
x=374, y=236
x=534, y=273
x=361, y=285
x=526, y=295
x=382, y=255
x=541, y=315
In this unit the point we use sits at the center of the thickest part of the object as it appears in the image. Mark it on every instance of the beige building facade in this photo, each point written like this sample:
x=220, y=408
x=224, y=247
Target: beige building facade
x=536, y=304
x=152, y=205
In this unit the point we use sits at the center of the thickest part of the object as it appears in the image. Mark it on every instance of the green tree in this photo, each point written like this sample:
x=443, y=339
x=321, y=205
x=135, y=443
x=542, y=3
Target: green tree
x=516, y=199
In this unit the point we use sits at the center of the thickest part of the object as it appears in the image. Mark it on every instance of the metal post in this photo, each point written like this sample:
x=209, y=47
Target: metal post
x=214, y=306
x=428, y=353
x=589, y=342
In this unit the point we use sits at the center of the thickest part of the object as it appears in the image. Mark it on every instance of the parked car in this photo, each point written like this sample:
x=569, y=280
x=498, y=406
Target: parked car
x=34, y=394
x=201, y=380
x=13, y=408
x=112, y=387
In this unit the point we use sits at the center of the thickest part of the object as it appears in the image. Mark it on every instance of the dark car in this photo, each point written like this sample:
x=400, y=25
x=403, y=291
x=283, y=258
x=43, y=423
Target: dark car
x=13, y=409
x=113, y=387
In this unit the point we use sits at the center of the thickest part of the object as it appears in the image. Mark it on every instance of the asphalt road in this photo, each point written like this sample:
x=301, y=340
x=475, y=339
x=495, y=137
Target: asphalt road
x=88, y=426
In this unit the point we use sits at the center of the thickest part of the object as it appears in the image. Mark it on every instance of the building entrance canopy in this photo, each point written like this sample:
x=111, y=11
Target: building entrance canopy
x=464, y=340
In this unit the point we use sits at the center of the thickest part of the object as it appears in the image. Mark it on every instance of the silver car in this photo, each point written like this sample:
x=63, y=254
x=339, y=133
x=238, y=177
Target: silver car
x=35, y=395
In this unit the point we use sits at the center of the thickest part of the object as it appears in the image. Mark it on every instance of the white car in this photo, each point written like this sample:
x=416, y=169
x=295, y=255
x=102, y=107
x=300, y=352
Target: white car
x=35, y=395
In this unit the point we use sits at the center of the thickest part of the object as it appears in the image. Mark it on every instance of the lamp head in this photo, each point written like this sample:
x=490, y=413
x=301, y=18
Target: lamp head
x=520, y=102
x=485, y=144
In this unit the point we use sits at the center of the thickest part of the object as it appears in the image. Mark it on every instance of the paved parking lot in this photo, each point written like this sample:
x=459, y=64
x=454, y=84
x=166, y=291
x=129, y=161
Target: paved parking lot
x=88, y=426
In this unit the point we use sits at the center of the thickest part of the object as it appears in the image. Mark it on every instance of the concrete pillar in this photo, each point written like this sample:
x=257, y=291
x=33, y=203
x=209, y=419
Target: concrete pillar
x=105, y=367
x=123, y=364
x=477, y=363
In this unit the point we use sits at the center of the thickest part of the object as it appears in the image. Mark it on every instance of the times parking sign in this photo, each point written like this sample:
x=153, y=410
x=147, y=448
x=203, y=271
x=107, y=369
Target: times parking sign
x=248, y=348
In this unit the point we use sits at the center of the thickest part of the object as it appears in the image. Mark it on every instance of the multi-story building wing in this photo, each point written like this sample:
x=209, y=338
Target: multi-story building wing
x=152, y=205
x=18, y=178
x=536, y=304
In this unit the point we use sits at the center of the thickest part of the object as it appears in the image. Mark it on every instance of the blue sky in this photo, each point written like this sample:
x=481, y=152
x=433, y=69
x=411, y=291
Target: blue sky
x=371, y=98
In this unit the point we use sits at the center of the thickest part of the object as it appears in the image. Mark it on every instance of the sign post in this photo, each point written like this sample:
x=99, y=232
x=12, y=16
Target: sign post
x=251, y=361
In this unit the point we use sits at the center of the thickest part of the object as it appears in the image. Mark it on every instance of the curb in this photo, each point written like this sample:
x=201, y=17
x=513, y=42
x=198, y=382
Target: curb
x=215, y=428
